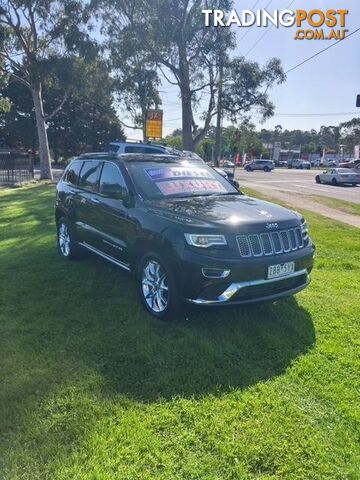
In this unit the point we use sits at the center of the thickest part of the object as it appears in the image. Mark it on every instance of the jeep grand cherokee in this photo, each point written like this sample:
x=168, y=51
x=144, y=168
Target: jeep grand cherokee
x=186, y=233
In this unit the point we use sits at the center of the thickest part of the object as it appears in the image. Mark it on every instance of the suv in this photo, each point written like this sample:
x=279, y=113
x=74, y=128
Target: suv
x=299, y=164
x=183, y=230
x=265, y=165
x=139, y=147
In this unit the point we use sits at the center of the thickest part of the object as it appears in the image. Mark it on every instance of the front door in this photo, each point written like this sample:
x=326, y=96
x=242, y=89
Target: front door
x=114, y=223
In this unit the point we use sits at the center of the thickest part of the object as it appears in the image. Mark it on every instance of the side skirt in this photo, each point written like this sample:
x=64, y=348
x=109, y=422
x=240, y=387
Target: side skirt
x=106, y=256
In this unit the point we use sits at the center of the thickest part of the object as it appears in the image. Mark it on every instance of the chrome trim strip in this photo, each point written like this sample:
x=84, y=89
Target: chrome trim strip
x=104, y=255
x=224, y=273
x=235, y=287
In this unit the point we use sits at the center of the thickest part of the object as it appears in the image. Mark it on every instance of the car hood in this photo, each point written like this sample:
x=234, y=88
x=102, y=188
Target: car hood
x=230, y=210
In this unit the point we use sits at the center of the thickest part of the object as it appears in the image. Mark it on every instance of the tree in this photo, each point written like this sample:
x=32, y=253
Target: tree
x=37, y=37
x=136, y=80
x=350, y=134
x=246, y=86
x=196, y=59
x=87, y=121
x=185, y=51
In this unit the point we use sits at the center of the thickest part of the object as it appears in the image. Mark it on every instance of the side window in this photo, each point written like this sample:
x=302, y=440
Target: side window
x=89, y=176
x=133, y=149
x=153, y=150
x=72, y=174
x=112, y=183
x=113, y=148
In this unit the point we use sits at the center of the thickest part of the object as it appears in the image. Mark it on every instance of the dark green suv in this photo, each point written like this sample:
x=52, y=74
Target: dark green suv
x=183, y=230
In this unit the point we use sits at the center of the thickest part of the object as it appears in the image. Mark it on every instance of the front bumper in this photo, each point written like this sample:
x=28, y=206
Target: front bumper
x=247, y=281
x=231, y=294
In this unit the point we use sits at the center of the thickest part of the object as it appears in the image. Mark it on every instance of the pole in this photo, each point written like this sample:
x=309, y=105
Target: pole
x=217, y=149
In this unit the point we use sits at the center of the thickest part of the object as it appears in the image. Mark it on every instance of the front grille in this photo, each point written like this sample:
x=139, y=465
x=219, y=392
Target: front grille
x=274, y=243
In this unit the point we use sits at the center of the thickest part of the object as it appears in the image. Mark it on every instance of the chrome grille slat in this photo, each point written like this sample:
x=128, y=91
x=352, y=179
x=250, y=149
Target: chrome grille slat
x=270, y=243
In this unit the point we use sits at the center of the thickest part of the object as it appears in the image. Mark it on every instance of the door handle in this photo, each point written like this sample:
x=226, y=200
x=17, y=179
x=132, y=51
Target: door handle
x=95, y=200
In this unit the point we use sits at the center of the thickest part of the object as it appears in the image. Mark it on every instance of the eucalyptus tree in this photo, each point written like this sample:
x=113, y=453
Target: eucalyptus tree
x=197, y=59
x=38, y=40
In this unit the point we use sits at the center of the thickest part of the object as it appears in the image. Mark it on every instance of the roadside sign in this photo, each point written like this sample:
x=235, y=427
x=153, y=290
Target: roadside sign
x=358, y=101
x=154, y=124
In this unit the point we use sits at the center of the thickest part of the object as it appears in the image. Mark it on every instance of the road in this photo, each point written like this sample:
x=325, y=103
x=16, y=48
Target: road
x=295, y=182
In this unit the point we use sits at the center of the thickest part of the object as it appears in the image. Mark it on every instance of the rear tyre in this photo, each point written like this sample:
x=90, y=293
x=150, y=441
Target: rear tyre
x=334, y=182
x=67, y=245
x=158, y=288
x=266, y=169
x=317, y=179
x=248, y=169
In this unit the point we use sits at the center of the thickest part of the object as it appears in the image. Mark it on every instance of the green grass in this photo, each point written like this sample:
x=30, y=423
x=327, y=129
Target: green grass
x=94, y=388
x=344, y=206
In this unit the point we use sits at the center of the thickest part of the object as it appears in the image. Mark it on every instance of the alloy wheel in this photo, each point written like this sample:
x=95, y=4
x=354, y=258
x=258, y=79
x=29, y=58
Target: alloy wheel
x=64, y=239
x=154, y=286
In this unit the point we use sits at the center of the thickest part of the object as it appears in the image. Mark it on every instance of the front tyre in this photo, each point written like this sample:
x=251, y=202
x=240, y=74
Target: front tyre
x=317, y=179
x=158, y=287
x=67, y=245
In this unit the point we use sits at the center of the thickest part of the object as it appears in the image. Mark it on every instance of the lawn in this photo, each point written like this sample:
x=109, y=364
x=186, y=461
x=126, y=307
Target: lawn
x=344, y=206
x=94, y=388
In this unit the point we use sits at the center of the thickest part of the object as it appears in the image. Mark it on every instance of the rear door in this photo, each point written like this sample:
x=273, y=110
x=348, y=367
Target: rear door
x=87, y=212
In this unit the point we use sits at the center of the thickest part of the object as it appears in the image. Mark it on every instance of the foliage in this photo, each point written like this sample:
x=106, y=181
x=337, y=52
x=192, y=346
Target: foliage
x=193, y=57
x=86, y=122
x=40, y=40
x=135, y=76
x=94, y=388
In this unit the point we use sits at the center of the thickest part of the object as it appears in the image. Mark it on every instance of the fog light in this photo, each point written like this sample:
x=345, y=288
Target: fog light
x=215, y=273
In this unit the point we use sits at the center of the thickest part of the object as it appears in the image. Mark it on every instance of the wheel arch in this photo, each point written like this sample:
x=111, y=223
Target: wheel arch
x=158, y=245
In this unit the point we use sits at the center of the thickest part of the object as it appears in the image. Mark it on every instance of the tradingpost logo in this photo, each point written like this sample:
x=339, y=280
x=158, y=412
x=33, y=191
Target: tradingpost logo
x=310, y=24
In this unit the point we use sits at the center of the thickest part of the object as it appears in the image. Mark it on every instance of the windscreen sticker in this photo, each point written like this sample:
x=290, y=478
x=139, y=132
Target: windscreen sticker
x=175, y=187
x=177, y=172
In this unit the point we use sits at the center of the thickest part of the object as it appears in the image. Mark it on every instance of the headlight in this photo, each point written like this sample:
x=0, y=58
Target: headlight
x=204, y=241
x=304, y=229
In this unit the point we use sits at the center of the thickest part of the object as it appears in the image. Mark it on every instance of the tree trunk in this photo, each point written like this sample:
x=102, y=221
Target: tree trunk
x=187, y=138
x=44, y=153
x=186, y=107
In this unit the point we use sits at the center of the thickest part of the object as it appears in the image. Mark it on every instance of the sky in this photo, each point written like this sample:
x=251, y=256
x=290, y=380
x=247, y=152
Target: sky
x=326, y=85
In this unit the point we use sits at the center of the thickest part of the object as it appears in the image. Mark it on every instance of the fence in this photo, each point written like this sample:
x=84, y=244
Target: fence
x=15, y=168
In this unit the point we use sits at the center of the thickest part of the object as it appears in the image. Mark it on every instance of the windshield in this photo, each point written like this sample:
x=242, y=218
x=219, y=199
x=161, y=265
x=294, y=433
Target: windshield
x=158, y=180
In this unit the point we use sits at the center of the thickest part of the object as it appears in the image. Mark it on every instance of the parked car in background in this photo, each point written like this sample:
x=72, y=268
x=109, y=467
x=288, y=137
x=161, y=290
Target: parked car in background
x=337, y=176
x=265, y=165
x=185, y=233
x=352, y=164
x=140, y=147
x=228, y=175
x=299, y=164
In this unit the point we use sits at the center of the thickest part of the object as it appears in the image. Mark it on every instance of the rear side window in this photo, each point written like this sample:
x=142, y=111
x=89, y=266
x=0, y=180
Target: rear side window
x=133, y=149
x=72, y=174
x=113, y=148
x=112, y=180
x=142, y=149
x=89, y=176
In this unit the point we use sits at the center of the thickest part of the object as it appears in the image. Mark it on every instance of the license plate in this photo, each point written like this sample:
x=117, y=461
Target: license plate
x=281, y=270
